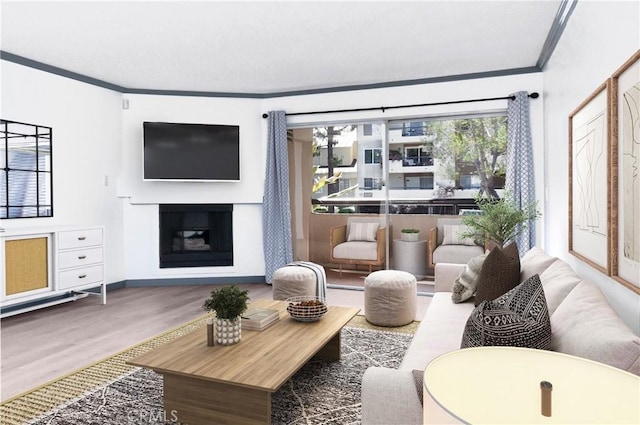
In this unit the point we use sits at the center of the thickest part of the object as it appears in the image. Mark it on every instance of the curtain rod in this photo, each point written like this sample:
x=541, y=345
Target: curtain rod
x=533, y=95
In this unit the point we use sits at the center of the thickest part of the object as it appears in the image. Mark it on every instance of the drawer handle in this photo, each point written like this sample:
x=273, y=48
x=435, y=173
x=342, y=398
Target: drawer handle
x=81, y=257
x=81, y=238
x=82, y=276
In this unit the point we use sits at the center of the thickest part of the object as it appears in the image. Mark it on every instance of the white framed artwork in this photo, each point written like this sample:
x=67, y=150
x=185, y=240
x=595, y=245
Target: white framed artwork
x=589, y=168
x=625, y=181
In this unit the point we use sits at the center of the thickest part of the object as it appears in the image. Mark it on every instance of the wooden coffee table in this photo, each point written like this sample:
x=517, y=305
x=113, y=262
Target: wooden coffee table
x=233, y=384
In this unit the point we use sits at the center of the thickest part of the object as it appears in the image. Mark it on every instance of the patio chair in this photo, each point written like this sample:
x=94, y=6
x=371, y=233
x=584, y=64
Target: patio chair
x=445, y=245
x=362, y=241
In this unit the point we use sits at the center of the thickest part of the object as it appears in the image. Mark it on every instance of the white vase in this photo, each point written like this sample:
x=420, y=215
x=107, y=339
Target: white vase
x=409, y=237
x=228, y=331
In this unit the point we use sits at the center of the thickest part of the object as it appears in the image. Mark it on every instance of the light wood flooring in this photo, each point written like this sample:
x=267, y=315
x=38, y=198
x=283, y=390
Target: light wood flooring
x=45, y=344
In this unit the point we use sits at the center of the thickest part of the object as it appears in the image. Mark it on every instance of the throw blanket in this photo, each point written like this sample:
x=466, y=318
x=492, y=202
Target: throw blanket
x=321, y=277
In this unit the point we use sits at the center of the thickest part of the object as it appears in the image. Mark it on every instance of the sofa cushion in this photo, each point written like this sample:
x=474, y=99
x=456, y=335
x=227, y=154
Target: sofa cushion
x=439, y=332
x=534, y=261
x=452, y=235
x=518, y=318
x=558, y=280
x=585, y=325
x=500, y=273
x=466, y=283
x=363, y=232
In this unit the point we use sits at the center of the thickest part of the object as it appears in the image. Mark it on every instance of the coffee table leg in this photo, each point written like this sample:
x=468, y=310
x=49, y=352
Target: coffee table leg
x=331, y=351
x=196, y=401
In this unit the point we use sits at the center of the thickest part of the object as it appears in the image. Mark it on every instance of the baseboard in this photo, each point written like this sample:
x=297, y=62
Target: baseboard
x=135, y=283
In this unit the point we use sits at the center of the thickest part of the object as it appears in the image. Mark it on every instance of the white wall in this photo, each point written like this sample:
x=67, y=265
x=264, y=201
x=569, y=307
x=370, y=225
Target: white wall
x=600, y=36
x=141, y=198
x=86, y=122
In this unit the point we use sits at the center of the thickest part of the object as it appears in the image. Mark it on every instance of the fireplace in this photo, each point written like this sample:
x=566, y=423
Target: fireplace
x=196, y=235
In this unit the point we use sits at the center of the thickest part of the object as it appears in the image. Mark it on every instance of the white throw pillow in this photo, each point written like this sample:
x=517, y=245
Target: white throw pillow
x=466, y=283
x=363, y=232
x=452, y=234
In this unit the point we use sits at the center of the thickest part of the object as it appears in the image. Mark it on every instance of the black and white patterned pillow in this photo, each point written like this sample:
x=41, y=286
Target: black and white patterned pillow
x=519, y=318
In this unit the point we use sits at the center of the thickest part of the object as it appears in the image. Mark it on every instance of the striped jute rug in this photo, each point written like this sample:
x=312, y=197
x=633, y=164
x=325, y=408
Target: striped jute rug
x=34, y=403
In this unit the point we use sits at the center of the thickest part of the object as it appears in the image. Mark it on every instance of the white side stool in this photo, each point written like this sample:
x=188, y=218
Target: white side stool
x=293, y=281
x=390, y=298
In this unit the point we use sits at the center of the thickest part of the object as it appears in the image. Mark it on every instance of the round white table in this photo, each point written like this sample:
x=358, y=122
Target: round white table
x=501, y=385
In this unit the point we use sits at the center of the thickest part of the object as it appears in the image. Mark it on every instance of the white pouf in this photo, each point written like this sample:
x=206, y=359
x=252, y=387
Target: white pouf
x=293, y=281
x=390, y=298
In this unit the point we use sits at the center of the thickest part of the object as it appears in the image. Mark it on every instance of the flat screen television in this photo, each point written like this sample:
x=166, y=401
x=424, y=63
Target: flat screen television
x=191, y=152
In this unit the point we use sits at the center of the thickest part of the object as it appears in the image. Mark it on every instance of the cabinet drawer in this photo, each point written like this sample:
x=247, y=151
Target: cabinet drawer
x=76, y=277
x=80, y=257
x=79, y=238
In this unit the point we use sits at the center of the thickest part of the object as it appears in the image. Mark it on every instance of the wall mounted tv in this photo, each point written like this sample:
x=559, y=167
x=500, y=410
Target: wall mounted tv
x=191, y=152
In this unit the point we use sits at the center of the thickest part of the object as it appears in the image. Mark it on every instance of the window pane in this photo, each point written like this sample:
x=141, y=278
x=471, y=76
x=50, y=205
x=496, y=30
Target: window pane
x=21, y=159
x=26, y=171
x=377, y=156
x=368, y=156
x=458, y=157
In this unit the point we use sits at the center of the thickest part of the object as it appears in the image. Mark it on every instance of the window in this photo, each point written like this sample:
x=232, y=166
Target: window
x=415, y=156
x=469, y=153
x=455, y=157
x=373, y=156
x=413, y=129
x=25, y=170
x=372, y=183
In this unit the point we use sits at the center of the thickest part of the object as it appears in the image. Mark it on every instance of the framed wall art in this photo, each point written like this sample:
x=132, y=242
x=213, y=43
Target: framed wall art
x=589, y=169
x=625, y=178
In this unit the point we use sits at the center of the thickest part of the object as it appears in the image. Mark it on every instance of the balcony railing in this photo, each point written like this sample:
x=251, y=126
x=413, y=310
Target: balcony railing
x=442, y=206
x=417, y=161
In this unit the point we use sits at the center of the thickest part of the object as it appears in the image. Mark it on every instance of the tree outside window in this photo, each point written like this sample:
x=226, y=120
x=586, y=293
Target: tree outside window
x=471, y=152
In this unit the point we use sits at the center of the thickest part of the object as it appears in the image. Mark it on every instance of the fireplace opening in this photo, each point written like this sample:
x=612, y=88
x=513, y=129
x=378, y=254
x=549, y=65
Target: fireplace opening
x=196, y=235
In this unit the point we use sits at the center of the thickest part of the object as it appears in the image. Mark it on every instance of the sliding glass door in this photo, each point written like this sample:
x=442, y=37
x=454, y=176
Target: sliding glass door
x=404, y=174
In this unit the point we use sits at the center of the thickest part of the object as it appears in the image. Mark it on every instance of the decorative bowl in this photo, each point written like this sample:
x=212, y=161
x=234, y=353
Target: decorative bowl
x=306, y=309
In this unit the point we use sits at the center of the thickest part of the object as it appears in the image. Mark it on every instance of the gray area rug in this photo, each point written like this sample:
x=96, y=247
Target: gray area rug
x=320, y=393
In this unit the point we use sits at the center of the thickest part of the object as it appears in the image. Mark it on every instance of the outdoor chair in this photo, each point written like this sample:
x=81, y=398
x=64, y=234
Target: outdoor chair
x=446, y=246
x=361, y=241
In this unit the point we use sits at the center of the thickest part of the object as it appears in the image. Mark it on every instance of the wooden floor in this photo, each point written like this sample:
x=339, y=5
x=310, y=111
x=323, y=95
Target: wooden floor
x=45, y=344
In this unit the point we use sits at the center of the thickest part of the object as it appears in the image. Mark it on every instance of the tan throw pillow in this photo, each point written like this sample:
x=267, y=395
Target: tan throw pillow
x=452, y=234
x=518, y=318
x=500, y=273
x=466, y=283
x=363, y=232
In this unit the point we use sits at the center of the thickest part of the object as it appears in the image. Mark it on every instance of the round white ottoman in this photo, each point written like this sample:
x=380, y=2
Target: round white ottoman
x=390, y=298
x=293, y=281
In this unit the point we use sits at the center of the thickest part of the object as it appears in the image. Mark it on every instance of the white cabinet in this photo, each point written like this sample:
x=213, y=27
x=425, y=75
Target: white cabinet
x=41, y=265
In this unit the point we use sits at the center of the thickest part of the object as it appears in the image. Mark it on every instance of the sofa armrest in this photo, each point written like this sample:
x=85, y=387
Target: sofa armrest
x=446, y=274
x=389, y=396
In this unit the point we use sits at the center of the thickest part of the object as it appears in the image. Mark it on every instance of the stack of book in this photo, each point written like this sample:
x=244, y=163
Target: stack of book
x=257, y=319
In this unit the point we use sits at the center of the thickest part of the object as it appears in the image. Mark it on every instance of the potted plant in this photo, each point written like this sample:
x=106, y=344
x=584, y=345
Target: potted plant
x=229, y=303
x=499, y=221
x=409, y=235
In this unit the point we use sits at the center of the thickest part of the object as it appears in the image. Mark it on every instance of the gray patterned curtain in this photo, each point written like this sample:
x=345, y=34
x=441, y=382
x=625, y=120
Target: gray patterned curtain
x=520, y=178
x=276, y=214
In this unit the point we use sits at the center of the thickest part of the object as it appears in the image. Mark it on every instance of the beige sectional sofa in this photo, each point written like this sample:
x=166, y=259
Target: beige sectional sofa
x=582, y=323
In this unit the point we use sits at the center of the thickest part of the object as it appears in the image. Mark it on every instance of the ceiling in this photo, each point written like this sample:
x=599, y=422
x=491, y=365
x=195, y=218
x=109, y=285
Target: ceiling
x=275, y=47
